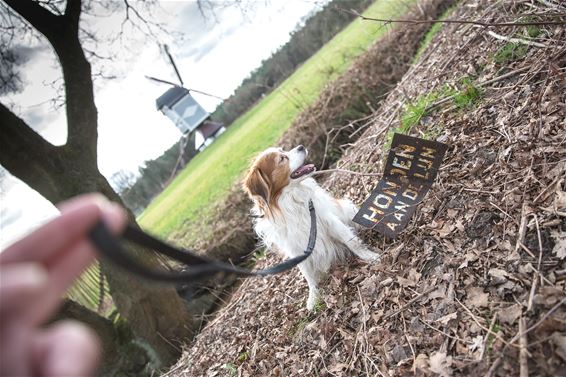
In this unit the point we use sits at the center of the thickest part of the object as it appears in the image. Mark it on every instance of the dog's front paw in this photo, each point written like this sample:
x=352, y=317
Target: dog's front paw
x=311, y=301
x=369, y=256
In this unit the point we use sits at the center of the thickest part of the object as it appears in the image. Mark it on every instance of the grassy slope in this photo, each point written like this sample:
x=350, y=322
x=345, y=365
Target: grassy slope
x=211, y=173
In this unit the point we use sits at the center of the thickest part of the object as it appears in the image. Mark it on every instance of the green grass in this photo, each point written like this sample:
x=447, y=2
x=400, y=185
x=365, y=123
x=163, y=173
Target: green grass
x=465, y=95
x=415, y=111
x=468, y=95
x=209, y=176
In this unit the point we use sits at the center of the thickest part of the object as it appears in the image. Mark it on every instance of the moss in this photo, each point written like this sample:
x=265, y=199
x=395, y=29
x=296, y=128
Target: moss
x=259, y=254
x=533, y=31
x=230, y=368
x=491, y=337
x=510, y=52
x=319, y=306
x=243, y=356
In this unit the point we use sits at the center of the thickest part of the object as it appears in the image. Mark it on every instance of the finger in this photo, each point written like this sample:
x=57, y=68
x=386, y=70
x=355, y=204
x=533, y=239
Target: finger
x=78, y=217
x=20, y=285
x=66, y=349
x=64, y=270
x=15, y=343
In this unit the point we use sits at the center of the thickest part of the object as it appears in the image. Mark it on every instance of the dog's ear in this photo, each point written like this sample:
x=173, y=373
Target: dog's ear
x=256, y=185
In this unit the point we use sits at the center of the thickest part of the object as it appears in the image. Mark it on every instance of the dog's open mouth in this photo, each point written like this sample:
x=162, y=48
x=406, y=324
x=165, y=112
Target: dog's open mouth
x=303, y=170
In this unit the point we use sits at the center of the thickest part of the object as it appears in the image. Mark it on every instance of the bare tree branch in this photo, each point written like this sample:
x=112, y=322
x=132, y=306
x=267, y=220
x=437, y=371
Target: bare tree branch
x=561, y=16
x=40, y=18
x=15, y=138
x=62, y=32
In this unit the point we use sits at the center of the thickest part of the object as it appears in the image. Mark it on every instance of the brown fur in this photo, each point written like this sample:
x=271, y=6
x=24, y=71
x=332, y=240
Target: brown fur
x=265, y=180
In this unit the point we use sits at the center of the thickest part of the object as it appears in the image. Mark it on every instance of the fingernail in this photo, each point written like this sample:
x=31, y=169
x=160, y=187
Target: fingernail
x=114, y=215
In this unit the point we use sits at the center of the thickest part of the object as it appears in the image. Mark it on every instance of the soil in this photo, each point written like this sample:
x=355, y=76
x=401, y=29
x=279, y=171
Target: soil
x=484, y=252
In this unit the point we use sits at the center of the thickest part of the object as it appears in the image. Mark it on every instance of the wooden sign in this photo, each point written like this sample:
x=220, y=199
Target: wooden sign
x=412, y=166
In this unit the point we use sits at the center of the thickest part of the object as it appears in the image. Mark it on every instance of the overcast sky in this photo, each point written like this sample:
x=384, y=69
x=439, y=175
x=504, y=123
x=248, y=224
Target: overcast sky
x=215, y=55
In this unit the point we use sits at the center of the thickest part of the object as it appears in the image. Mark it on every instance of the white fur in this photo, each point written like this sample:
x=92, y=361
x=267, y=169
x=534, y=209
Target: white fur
x=288, y=230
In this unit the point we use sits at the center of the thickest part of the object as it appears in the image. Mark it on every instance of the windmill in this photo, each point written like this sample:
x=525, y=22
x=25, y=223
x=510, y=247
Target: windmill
x=178, y=104
x=187, y=114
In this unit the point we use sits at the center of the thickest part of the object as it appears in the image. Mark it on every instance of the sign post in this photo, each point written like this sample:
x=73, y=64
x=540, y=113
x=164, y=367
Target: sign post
x=412, y=166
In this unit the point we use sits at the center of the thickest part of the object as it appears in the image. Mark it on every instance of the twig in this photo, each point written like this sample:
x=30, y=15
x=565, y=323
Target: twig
x=441, y=331
x=515, y=40
x=535, y=275
x=481, y=85
x=540, y=274
x=503, y=212
x=550, y=186
x=539, y=246
x=365, y=334
x=491, y=324
x=523, y=353
x=474, y=318
x=522, y=227
x=496, y=363
x=467, y=22
x=408, y=340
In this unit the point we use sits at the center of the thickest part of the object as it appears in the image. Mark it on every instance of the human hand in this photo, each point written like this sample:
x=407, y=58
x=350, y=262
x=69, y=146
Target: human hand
x=35, y=272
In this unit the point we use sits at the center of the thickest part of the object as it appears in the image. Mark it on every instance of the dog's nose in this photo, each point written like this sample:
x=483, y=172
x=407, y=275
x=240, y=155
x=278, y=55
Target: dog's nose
x=300, y=148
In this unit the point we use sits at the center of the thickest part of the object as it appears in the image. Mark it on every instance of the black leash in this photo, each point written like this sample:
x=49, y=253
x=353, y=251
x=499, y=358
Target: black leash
x=199, y=266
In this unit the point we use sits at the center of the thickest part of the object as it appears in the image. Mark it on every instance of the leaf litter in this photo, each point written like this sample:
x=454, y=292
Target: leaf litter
x=483, y=251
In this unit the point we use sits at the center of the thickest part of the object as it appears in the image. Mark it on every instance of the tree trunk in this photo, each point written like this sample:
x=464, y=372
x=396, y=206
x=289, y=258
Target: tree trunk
x=158, y=316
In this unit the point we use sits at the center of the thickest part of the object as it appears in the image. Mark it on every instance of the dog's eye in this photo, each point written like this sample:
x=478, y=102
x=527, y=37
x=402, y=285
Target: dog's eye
x=283, y=158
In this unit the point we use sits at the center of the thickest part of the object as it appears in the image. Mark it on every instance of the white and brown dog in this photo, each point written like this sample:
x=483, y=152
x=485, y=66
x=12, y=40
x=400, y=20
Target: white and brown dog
x=280, y=185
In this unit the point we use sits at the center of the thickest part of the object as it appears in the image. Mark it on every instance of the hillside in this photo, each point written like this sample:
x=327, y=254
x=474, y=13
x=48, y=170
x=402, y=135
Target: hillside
x=476, y=283
x=205, y=181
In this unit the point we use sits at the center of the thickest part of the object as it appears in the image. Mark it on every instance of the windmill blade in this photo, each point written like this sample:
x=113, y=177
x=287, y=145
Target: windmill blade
x=161, y=81
x=206, y=94
x=190, y=90
x=166, y=48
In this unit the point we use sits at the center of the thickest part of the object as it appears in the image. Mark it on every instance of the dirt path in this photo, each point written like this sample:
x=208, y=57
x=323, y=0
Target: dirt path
x=484, y=253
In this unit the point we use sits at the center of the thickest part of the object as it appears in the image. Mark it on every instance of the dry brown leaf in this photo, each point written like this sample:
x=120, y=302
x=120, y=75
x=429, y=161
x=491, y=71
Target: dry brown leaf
x=559, y=340
x=406, y=282
x=560, y=201
x=510, y=314
x=447, y=318
x=498, y=276
x=559, y=244
x=477, y=298
x=420, y=363
x=441, y=364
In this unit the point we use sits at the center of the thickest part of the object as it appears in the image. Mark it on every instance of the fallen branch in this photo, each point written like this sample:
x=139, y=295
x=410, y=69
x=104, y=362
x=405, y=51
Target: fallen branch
x=515, y=40
x=480, y=84
x=464, y=22
x=496, y=363
x=523, y=352
x=475, y=319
